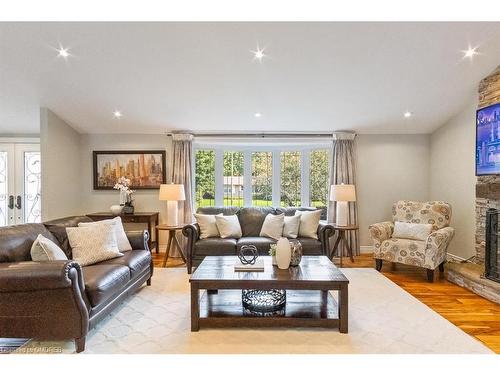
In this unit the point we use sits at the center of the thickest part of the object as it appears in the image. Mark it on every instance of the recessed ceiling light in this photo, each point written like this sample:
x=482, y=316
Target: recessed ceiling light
x=258, y=114
x=258, y=54
x=63, y=52
x=470, y=52
x=407, y=114
x=117, y=114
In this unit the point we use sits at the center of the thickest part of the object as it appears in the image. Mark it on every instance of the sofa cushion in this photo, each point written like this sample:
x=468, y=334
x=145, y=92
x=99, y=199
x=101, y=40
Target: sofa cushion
x=226, y=210
x=215, y=246
x=310, y=246
x=261, y=243
x=252, y=219
x=58, y=229
x=102, y=281
x=137, y=260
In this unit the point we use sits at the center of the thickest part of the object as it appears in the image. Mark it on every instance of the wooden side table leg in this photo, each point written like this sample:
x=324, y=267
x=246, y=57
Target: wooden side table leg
x=342, y=239
x=343, y=309
x=169, y=245
x=335, y=247
x=195, y=308
x=157, y=236
x=180, y=248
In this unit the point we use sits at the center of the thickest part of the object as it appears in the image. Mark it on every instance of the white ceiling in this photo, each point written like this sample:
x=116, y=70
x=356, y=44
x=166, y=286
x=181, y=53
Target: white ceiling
x=201, y=76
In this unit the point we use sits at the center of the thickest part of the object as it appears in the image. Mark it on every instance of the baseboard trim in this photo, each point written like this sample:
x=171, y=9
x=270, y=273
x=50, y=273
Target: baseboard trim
x=455, y=258
x=366, y=249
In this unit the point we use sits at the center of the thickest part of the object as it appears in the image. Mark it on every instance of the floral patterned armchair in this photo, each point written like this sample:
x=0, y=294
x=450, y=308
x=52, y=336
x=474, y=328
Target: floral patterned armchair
x=429, y=254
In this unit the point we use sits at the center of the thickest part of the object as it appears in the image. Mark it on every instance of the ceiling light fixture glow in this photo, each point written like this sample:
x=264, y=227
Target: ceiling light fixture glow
x=258, y=115
x=63, y=52
x=470, y=52
x=117, y=114
x=258, y=54
x=407, y=114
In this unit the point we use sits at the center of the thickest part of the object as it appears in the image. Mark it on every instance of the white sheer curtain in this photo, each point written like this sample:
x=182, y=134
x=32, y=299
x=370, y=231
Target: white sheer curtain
x=343, y=170
x=181, y=162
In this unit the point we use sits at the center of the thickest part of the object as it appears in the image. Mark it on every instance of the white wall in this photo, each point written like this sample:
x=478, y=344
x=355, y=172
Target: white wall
x=389, y=168
x=60, y=158
x=452, y=176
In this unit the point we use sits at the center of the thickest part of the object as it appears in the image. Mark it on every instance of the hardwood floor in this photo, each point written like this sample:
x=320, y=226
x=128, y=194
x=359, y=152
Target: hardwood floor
x=473, y=314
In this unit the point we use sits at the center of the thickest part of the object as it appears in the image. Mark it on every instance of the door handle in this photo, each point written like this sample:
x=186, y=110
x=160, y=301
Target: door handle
x=11, y=202
x=18, y=202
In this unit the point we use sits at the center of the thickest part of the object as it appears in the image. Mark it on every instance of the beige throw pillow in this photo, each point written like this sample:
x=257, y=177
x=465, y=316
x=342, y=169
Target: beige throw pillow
x=93, y=244
x=208, y=225
x=309, y=222
x=121, y=237
x=273, y=226
x=228, y=226
x=44, y=250
x=411, y=231
x=291, y=226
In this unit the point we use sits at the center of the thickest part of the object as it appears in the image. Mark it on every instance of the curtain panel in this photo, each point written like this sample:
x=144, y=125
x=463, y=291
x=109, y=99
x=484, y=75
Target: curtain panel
x=343, y=170
x=181, y=164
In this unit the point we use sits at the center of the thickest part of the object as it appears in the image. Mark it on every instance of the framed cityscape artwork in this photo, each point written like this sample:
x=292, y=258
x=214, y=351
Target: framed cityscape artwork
x=145, y=169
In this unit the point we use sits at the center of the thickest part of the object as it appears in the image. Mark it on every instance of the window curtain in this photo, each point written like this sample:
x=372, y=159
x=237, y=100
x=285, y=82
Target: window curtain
x=343, y=170
x=181, y=162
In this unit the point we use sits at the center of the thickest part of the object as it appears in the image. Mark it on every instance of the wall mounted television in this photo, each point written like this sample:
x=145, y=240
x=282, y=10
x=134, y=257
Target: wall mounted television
x=488, y=140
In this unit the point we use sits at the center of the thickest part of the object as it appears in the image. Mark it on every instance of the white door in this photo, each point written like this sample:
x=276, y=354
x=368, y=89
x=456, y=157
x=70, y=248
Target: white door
x=20, y=183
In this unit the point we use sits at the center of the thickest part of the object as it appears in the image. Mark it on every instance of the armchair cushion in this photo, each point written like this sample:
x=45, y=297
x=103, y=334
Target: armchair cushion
x=411, y=231
x=401, y=250
x=437, y=213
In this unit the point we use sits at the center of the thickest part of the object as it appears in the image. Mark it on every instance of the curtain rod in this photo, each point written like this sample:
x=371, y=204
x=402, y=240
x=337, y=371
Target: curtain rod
x=261, y=135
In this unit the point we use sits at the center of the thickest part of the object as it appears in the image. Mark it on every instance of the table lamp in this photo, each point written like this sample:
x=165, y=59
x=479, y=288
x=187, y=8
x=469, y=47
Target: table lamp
x=342, y=194
x=172, y=193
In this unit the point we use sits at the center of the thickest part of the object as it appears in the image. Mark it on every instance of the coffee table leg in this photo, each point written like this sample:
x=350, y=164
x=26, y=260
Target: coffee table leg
x=343, y=309
x=195, y=308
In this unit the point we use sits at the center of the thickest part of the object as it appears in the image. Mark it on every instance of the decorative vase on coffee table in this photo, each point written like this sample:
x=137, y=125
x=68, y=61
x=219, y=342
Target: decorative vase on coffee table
x=296, y=253
x=283, y=253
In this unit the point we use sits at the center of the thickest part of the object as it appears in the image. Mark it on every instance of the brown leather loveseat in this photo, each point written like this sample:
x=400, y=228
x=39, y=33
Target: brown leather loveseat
x=60, y=300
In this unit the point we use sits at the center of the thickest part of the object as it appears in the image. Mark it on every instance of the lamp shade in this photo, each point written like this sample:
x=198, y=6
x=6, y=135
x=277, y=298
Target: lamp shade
x=172, y=192
x=343, y=193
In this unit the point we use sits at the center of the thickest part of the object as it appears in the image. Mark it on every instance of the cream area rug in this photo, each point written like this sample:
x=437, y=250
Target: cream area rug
x=383, y=318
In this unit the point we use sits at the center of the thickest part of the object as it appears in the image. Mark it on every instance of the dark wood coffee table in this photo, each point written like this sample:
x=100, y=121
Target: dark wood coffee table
x=309, y=304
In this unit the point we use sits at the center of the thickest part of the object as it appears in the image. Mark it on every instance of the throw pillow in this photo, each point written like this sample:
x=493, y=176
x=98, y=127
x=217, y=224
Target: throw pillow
x=208, y=225
x=228, y=226
x=121, y=237
x=309, y=222
x=291, y=226
x=411, y=231
x=44, y=250
x=273, y=226
x=93, y=244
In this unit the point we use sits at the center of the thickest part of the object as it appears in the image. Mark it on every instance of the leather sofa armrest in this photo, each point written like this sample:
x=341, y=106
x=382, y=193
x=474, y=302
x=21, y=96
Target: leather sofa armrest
x=34, y=276
x=138, y=239
x=192, y=232
x=325, y=231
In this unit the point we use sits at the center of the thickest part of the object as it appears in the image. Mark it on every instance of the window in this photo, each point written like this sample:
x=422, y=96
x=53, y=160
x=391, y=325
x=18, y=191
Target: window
x=262, y=175
x=290, y=181
x=233, y=179
x=318, y=178
x=262, y=179
x=204, y=178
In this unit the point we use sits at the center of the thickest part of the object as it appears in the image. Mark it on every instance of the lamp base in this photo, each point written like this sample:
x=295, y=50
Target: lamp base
x=342, y=214
x=172, y=217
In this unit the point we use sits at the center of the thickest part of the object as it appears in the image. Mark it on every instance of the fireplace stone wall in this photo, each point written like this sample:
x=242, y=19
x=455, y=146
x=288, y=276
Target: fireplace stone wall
x=487, y=187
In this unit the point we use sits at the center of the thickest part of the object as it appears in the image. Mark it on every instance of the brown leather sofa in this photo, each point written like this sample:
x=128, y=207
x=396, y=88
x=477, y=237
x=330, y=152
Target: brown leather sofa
x=60, y=300
x=251, y=220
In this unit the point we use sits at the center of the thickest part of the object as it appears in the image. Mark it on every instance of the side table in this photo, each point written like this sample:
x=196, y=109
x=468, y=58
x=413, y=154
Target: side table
x=342, y=238
x=171, y=240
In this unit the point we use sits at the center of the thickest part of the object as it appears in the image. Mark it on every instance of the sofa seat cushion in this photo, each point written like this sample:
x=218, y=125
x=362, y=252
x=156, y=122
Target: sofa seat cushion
x=136, y=260
x=215, y=246
x=102, y=281
x=261, y=243
x=310, y=246
x=404, y=251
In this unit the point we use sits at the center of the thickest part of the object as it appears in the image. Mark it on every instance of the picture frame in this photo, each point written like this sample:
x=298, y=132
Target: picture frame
x=146, y=169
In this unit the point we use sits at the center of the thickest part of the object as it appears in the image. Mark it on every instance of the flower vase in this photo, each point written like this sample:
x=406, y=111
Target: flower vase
x=283, y=253
x=123, y=197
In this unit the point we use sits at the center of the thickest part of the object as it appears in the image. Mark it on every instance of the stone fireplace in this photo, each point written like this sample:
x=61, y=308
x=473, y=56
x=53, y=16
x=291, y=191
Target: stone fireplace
x=491, y=257
x=472, y=275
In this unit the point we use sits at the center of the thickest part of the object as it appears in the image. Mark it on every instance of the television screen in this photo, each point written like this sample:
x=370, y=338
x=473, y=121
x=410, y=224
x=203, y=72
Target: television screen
x=488, y=140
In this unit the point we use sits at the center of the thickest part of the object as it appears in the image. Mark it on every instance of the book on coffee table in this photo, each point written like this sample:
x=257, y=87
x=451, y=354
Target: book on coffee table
x=258, y=266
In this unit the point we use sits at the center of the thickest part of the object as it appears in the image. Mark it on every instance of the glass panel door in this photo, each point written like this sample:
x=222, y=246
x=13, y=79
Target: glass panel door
x=31, y=205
